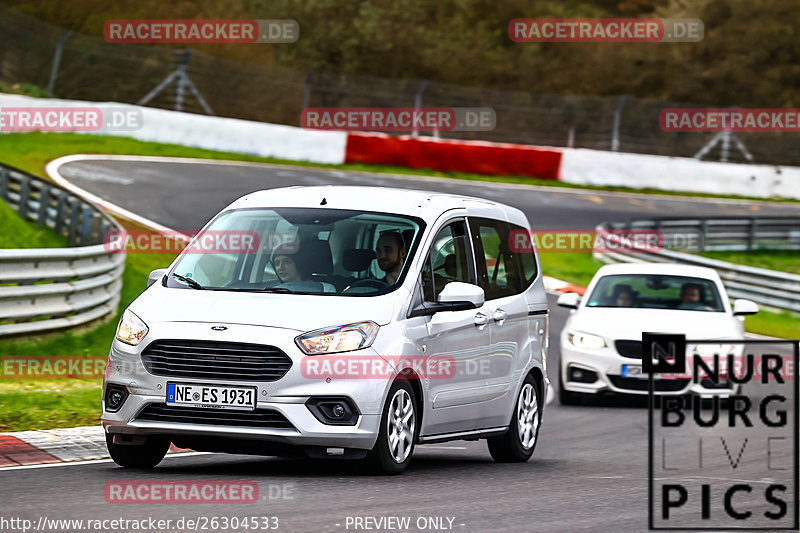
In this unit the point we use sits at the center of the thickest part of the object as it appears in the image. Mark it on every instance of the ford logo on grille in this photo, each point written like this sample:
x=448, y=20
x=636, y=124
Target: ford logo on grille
x=218, y=328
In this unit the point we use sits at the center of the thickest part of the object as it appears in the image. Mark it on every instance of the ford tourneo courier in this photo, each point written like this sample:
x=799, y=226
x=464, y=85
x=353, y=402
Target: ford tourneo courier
x=336, y=322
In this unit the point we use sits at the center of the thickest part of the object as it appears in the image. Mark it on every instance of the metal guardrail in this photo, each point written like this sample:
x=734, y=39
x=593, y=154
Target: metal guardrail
x=43, y=289
x=727, y=233
x=780, y=290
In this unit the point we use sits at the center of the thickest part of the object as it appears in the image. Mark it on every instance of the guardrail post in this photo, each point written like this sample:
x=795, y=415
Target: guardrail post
x=86, y=224
x=44, y=204
x=24, y=193
x=3, y=184
x=751, y=237
x=72, y=232
x=61, y=207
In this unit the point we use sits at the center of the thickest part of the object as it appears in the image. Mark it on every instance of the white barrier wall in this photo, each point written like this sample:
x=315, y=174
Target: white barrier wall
x=578, y=166
x=595, y=167
x=213, y=133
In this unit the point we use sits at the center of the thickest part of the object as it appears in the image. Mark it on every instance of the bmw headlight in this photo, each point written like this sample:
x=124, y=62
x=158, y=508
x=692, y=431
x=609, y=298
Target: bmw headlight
x=337, y=339
x=586, y=341
x=131, y=329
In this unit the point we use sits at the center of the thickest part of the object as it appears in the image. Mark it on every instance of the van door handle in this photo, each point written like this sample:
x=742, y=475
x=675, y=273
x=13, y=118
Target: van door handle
x=499, y=316
x=481, y=319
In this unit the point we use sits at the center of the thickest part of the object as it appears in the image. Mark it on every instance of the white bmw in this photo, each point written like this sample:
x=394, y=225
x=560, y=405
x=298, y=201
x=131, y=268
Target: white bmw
x=601, y=348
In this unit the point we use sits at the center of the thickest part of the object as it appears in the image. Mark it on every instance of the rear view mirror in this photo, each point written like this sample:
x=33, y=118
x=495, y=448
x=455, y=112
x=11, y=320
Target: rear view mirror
x=569, y=300
x=155, y=275
x=744, y=307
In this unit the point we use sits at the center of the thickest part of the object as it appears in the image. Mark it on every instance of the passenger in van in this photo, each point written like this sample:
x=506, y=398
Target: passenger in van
x=288, y=263
x=391, y=253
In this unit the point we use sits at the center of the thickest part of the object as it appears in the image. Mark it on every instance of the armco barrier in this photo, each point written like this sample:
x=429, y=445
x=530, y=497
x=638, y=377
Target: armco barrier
x=727, y=233
x=780, y=290
x=475, y=157
x=43, y=289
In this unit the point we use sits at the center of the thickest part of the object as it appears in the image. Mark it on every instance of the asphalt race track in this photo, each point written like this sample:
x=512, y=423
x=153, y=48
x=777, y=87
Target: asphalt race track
x=589, y=472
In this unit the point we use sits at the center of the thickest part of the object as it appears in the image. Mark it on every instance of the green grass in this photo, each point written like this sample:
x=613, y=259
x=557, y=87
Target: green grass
x=18, y=233
x=780, y=260
x=577, y=268
x=31, y=151
x=45, y=404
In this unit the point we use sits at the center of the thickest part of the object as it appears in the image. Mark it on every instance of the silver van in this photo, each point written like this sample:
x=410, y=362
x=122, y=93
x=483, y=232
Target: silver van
x=336, y=322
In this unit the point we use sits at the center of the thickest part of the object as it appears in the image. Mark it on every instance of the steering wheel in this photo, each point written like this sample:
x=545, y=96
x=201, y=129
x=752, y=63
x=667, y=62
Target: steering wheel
x=369, y=282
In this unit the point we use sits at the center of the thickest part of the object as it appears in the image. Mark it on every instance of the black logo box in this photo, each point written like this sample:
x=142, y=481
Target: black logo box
x=669, y=353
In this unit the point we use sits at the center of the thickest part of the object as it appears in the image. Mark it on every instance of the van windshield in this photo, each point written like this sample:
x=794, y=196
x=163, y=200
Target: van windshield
x=656, y=292
x=300, y=251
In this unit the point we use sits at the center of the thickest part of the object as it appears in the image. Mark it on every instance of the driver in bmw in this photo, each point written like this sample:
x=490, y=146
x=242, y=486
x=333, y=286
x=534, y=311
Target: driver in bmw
x=391, y=254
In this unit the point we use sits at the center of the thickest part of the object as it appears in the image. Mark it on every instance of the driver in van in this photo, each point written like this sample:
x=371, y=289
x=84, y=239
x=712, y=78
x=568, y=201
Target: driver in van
x=391, y=253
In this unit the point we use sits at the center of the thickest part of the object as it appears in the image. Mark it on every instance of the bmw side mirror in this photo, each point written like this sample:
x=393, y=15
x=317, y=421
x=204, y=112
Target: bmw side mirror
x=744, y=307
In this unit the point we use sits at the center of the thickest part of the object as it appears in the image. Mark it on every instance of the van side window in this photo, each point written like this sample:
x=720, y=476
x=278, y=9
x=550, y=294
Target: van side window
x=447, y=260
x=526, y=256
x=501, y=271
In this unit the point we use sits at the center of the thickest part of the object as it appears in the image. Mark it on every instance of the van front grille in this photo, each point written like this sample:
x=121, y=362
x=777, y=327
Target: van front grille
x=215, y=360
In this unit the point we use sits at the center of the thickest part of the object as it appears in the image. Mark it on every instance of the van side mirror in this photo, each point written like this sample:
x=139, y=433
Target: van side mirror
x=456, y=296
x=457, y=291
x=744, y=307
x=155, y=275
x=570, y=300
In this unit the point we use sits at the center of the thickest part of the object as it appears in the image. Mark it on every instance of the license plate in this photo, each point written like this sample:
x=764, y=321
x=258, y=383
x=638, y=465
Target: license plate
x=211, y=396
x=633, y=371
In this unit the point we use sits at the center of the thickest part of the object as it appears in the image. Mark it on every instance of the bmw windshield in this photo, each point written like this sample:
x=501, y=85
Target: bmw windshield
x=656, y=292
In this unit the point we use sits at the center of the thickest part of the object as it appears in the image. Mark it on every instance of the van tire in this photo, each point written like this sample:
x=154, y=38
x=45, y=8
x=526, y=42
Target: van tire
x=509, y=448
x=381, y=459
x=142, y=456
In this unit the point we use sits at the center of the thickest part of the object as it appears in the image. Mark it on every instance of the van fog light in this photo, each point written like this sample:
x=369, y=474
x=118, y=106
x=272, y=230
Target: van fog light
x=334, y=411
x=115, y=397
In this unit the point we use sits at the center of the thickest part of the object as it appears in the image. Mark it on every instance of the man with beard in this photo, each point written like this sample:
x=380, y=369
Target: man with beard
x=391, y=254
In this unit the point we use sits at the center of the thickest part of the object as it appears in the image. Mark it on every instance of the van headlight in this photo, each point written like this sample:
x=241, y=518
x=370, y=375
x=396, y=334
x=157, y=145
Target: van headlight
x=131, y=329
x=337, y=339
x=586, y=341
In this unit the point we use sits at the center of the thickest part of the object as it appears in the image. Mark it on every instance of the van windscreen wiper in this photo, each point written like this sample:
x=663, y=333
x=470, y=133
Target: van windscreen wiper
x=189, y=281
x=282, y=290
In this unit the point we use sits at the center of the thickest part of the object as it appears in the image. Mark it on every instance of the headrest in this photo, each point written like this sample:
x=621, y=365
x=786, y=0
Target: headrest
x=357, y=259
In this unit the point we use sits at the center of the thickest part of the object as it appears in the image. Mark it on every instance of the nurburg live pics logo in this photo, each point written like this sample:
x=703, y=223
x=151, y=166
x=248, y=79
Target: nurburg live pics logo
x=722, y=463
